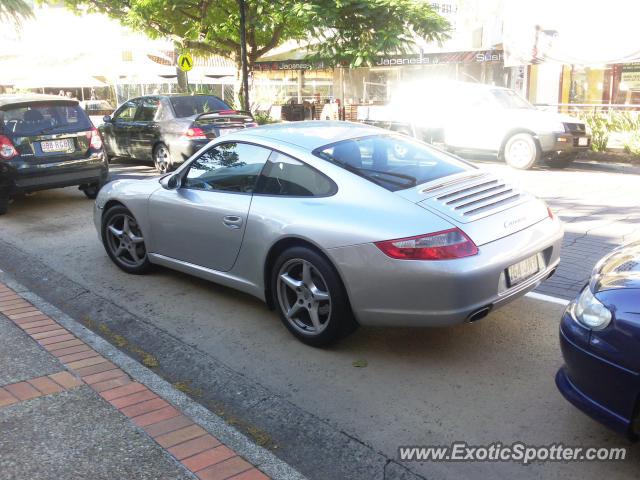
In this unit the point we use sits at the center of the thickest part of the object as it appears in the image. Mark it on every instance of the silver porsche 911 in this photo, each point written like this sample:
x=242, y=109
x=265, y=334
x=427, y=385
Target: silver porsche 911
x=334, y=225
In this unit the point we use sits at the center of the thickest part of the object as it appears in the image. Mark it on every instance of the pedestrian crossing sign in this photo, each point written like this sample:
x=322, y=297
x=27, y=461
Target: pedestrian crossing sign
x=185, y=62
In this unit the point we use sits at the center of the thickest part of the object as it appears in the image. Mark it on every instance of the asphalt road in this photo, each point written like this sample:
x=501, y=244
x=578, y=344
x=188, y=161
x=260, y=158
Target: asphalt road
x=480, y=383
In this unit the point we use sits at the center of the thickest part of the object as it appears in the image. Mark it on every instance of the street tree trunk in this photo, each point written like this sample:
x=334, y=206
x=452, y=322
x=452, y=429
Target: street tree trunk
x=183, y=83
x=244, y=67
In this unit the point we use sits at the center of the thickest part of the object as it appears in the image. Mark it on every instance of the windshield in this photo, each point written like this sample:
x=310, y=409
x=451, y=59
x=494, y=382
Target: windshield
x=394, y=162
x=195, y=105
x=509, y=99
x=44, y=118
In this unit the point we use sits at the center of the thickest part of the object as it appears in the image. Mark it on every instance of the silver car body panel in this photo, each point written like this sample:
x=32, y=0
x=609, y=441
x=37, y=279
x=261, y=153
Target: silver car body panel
x=344, y=226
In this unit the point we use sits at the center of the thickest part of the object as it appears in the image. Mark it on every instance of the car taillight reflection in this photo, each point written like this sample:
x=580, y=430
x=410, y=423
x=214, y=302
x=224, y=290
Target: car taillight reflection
x=443, y=245
x=95, y=141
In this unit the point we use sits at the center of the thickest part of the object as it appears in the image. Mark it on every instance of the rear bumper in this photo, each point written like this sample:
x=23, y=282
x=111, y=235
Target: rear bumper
x=603, y=390
x=181, y=149
x=389, y=292
x=22, y=177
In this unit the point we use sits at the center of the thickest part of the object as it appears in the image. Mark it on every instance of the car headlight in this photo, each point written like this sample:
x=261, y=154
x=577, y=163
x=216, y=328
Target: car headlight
x=557, y=127
x=589, y=312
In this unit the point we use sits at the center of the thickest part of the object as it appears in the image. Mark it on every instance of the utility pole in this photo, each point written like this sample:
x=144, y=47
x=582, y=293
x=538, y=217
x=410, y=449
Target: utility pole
x=243, y=56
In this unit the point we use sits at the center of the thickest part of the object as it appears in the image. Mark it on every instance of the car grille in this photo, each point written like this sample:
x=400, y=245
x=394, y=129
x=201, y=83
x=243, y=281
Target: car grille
x=575, y=128
x=475, y=198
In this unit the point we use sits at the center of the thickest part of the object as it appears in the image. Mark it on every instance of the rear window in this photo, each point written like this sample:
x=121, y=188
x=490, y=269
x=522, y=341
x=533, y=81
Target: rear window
x=44, y=118
x=196, y=105
x=394, y=162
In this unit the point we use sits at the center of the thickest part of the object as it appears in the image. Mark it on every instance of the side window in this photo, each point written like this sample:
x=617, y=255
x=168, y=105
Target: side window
x=284, y=175
x=147, y=110
x=229, y=167
x=127, y=112
x=164, y=111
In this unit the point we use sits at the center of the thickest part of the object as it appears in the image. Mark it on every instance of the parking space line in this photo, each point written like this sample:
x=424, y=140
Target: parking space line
x=548, y=298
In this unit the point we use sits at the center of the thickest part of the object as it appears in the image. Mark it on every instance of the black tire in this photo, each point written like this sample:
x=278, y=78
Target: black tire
x=91, y=190
x=559, y=162
x=4, y=204
x=162, y=159
x=125, y=261
x=339, y=321
x=521, y=151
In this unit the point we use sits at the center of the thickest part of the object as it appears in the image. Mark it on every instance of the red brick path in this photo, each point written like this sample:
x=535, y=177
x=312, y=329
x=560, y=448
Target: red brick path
x=190, y=444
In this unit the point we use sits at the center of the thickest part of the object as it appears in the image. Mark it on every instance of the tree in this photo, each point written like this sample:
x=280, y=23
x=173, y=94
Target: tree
x=15, y=10
x=350, y=31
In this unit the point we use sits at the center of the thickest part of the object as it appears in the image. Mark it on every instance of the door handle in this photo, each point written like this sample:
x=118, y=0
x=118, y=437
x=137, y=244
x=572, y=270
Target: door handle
x=232, y=221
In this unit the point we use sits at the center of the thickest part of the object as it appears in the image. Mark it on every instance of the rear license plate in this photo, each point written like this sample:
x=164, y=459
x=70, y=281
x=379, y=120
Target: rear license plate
x=583, y=141
x=50, y=146
x=226, y=131
x=523, y=270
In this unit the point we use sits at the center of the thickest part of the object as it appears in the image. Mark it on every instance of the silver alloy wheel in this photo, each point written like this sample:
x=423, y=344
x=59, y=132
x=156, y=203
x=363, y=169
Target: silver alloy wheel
x=125, y=240
x=304, y=297
x=521, y=152
x=162, y=159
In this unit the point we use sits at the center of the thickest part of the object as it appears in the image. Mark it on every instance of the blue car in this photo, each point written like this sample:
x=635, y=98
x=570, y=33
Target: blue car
x=600, y=340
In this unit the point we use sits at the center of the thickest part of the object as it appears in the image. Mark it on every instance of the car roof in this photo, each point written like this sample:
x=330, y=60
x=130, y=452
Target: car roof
x=21, y=98
x=312, y=134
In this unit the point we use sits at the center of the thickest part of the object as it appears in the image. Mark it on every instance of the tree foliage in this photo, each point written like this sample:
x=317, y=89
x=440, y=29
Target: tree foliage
x=351, y=31
x=15, y=10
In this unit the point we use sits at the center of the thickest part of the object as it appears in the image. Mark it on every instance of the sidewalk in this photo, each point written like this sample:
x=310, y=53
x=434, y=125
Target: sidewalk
x=67, y=411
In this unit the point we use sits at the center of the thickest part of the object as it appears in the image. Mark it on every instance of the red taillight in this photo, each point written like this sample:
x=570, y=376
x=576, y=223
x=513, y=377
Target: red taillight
x=195, y=133
x=7, y=150
x=227, y=112
x=550, y=213
x=444, y=245
x=95, y=141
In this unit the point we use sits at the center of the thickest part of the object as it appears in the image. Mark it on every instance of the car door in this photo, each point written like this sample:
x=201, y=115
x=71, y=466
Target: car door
x=145, y=129
x=203, y=221
x=116, y=133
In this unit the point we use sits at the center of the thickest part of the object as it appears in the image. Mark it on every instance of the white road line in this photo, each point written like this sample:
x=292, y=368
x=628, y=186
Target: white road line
x=548, y=298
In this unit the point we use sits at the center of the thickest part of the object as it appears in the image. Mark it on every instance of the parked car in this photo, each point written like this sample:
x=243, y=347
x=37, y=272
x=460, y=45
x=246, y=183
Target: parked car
x=47, y=142
x=327, y=225
x=168, y=129
x=478, y=118
x=600, y=339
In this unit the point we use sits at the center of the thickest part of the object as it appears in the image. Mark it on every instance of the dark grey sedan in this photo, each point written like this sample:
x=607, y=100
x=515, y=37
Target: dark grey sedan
x=168, y=129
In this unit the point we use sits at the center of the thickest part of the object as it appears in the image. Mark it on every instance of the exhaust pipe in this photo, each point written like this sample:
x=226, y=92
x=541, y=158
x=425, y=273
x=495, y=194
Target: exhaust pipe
x=479, y=314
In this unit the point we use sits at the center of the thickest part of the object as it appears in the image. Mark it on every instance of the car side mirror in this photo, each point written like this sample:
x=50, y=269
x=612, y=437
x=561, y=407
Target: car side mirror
x=170, y=182
x=106, y=119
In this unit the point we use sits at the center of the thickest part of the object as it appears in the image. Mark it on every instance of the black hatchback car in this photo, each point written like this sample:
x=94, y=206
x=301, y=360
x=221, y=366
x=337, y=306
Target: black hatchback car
x=47, y=142
x=168, y=129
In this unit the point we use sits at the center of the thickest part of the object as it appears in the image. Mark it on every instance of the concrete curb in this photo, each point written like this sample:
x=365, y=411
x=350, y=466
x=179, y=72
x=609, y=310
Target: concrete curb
x=258, y=456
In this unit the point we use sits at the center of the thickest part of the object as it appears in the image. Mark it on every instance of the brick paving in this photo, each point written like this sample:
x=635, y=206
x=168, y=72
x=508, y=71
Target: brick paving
x=190, y=444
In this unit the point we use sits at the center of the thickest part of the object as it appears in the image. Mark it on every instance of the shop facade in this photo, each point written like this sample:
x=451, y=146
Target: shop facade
x=297, y=81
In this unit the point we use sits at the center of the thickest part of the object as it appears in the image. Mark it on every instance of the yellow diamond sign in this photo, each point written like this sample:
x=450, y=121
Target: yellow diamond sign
x=185, y=62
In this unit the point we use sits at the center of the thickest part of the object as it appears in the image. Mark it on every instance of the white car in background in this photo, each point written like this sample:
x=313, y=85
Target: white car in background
x=479, y=118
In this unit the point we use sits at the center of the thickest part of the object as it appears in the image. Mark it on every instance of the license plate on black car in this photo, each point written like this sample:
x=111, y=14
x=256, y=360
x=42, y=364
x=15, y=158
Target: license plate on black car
x=226, y=131
x=523, y=270
x=50, y=146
